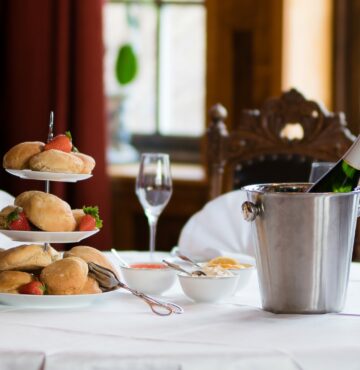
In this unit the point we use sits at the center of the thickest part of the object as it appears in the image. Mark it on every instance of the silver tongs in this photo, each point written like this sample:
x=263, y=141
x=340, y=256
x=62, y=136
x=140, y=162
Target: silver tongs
x=108, y=281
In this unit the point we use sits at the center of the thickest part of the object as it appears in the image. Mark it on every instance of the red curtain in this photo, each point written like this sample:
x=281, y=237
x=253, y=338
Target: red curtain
x=52, y=54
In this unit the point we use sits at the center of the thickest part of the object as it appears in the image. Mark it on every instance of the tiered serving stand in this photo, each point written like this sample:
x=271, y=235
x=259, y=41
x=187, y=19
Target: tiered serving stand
x=45, y=236
x=49, y=301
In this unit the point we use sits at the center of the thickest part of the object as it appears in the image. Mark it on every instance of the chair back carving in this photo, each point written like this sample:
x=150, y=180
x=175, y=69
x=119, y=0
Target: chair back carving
x=285, y=129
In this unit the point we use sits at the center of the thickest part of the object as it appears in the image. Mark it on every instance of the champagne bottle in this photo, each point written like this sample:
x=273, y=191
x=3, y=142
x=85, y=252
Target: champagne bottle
x=344, y=176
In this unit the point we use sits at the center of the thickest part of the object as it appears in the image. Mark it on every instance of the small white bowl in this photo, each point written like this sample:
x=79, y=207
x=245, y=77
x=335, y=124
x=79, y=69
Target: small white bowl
x=208, y=288
x=148, y=280
x=244, y=275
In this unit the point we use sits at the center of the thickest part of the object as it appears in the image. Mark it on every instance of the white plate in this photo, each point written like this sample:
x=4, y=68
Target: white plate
x=47, y=237
x=53, y=301
x=51, y=176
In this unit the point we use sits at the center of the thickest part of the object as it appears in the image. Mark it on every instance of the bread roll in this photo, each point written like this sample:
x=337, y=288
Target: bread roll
x=90, y=254
x=88, y=162
x=24, y=197
x=27, y=257
x=91, y=287
x=66, y=276
x=54, y=160
x=46, y=211
x=78, y=215
x=18, y=156
x=11, y=281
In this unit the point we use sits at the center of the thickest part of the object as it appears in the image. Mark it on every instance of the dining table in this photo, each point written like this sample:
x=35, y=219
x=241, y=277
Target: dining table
x=121, y=332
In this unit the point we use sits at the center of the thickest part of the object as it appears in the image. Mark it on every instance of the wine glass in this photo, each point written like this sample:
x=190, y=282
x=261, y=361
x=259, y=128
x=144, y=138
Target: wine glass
x=318, y=169
x=154, y=189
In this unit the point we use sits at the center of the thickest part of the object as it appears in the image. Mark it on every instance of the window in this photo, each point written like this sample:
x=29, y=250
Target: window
x=162, y=107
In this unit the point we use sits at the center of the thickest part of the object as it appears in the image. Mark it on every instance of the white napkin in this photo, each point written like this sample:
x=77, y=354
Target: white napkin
x=5, y=199
x=218, y=229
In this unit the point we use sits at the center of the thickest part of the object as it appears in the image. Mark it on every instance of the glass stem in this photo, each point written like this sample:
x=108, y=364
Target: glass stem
x=152, y=225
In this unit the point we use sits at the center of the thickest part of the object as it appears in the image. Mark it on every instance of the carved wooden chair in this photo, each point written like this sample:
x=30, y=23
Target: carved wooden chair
x=260, y=149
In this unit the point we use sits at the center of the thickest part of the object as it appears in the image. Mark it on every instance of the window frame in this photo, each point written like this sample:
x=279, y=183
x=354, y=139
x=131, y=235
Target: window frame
x=186, y=149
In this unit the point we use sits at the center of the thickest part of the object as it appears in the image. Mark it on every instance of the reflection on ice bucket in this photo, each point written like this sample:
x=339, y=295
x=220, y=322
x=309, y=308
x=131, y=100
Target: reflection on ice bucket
x=303, y=245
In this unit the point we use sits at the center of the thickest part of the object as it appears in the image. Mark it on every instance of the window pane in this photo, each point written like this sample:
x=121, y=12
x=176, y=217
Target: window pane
x=138, y=97
x=182, y=70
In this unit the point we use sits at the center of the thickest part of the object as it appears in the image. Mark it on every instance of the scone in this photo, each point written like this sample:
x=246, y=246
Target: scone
x=66, y=276
x=90, y=254
x=18, y=156
x=23, y=198
x=88, y=162
x=91, y=287
x=78, y=215
x=27, y=257
x=46, y=211
x=54, y=160
x=11, y=281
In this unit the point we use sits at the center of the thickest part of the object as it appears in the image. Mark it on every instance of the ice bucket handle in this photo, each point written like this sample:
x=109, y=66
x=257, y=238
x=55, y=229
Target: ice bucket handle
x=250, y=211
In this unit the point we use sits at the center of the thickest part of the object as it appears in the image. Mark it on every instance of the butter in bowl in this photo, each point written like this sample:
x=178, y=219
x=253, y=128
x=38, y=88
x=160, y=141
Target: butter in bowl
x=243, y=270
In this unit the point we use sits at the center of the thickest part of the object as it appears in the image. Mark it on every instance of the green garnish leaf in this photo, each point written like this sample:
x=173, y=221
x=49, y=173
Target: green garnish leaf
x=14, y=215
x=94, y=212
x=74, y=148
x=68, y=134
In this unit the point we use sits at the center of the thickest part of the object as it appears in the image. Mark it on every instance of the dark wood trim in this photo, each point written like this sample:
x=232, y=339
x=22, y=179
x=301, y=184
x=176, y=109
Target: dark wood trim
x=243, y=72
x=182, y=149
x=159, y=2
x=339, y=54
x=347, y=60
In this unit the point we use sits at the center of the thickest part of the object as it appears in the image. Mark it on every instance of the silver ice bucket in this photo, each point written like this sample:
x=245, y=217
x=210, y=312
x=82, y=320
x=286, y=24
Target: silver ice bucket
x=303, y=246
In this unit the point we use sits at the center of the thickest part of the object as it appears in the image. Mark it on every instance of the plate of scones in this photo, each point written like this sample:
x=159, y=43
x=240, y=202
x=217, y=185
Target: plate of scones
x=57, y=160
x=34, y=276
x=37, y=216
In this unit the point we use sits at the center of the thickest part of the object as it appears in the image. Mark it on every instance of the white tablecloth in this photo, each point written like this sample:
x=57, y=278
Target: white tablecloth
x=122, y=333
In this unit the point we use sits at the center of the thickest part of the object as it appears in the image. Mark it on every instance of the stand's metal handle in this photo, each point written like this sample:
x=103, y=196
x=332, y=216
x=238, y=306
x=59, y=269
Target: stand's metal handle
x=47, y=182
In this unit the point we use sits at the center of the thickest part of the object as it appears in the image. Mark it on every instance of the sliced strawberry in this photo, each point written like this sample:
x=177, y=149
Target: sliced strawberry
x=34, y=287
x=91, y=220
x=87, y=223
x=61, y=142
x=16, y=220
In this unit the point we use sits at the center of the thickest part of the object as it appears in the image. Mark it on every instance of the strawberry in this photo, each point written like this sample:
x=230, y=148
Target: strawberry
x=34, y=287
x=91, y=220
x=87, y=223
x=61, y=142
x=16, y=220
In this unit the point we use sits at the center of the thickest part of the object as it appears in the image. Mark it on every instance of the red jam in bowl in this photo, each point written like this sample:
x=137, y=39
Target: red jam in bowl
x=148, y=266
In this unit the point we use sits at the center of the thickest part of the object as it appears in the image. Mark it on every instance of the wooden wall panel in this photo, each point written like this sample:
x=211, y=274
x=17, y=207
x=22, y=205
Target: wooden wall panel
x=243, y=53
x=347, y=61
